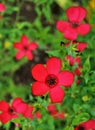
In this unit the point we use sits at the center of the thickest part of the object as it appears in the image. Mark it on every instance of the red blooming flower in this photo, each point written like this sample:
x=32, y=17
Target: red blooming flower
x=73, y=27
x=2, y=7
x=80, y=46
x=88, y=125
x=8, y=112
x=73, y=60
x=25, y=47
x=50, y=79
x=54, y=112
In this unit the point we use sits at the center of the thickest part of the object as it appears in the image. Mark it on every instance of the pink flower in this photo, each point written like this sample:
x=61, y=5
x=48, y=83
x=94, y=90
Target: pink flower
x=8, y=112
x=88, y=125
x=2, y=7
x=80, y=46
x=54, y=112
x=73, y=27
x=50, y=79
x=25, y=47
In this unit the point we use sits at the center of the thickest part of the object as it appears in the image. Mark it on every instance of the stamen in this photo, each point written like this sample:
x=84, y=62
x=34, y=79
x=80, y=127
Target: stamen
x=51, y=80
x=81, y=128
x=11, y=110
x=74, y=25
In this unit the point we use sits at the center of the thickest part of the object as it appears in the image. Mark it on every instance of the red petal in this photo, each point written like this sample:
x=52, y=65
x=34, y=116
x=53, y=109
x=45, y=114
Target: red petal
x=28, y=112
x=62, y=25
x=51, y=108
x=81, y=46
x=70, y=34
x=56, y=95
x=24, y=40
x=83, y=29
x=5, y=117
x=53, y=65
x=2, y=7
x=38, y=115
x=18, y=45
x=76, y=13
x=39, y=72
x=70, y=59
x=16, y=101
x=90, y=124
x=78, y=60
x=32, y=46
x=78, y=70
x=39, y=88
x=19, y=55
x=4, y=106
x=66, y=78
x=19, y=106
x=29, y=55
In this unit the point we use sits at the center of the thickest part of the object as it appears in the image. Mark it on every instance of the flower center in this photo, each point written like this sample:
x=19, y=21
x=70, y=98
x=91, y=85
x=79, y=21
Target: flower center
x=25, y=48
x=81, y=128
x=74, y=25
x=51, y=80
x=11, y=110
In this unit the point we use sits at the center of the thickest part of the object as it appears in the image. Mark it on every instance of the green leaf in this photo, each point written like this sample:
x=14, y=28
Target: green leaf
x=82, y=117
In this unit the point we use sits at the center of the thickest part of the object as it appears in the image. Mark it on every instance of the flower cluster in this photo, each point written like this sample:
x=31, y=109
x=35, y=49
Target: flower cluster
x=51, y=79
x=18, y=107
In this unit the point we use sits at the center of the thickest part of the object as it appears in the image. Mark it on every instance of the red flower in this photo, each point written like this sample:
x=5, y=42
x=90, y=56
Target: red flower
x=2, y=7
x=90, y=124
x=8, y=112
x=54, y=112
x=80, y=46
x=25, y=47
x=29, y=113
x=50, y=78
x=77, y=70
x=73, y=60
x=73, y=27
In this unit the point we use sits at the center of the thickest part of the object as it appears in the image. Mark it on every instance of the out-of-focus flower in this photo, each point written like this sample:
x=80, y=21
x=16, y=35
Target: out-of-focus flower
x=88, y=125
x=80, y=46
x=73, y=60
x=54, y=112
x=50, y=79
x=25, y=48
x=73, y=27
x=78, y=70
x=2, y=7
x=8, y=112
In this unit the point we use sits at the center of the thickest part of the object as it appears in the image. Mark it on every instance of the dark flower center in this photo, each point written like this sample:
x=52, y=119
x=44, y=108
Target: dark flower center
x=51, y=80
x=25, y=48
x=11, y=110
x=74, y=25
x=81, y=128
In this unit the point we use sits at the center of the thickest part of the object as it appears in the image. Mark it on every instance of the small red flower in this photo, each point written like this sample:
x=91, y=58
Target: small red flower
x=54, y=112
x=2, y=7
x=50, y=79
x=73, y=27
x=29, y=113
x=73, y=60
x=8, y=112
x=25, y=47
x=88, y=125
x=80, y=46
